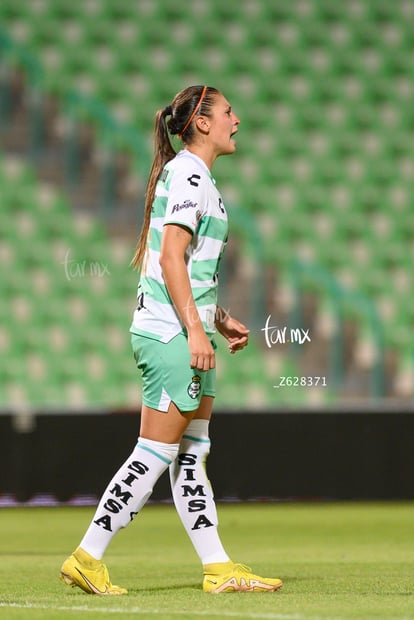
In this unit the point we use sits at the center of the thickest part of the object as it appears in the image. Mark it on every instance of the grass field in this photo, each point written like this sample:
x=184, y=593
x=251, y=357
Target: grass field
x=336, y=561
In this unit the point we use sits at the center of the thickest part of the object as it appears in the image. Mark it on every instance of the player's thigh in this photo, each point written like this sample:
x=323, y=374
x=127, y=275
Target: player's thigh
x=168, y=427
x=165, y=426
x=205, y=409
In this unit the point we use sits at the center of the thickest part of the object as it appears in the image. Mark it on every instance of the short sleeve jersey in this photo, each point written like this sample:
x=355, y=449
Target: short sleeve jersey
x=186, y=195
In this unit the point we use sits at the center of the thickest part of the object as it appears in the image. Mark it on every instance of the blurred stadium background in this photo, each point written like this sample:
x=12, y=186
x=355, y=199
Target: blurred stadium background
x=320, y=192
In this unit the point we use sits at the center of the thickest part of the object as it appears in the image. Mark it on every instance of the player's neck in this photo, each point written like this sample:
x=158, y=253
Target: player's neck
x=204, y=153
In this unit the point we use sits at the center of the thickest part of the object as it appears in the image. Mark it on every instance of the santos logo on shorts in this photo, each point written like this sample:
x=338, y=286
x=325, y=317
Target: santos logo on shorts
x=193, y=389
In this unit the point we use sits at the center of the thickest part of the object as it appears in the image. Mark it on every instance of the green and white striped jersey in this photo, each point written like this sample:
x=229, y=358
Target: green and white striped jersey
x=185, y=194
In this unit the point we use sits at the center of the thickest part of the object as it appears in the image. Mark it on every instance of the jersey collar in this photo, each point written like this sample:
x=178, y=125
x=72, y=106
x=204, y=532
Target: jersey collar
x=198, y=160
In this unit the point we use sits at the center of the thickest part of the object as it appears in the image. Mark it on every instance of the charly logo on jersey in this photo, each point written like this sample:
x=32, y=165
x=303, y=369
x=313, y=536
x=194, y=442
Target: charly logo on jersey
x=193, y=180
x=194, y=388
x=187, y=204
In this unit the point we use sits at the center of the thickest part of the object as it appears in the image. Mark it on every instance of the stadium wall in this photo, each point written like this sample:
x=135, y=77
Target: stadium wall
x=276, y=456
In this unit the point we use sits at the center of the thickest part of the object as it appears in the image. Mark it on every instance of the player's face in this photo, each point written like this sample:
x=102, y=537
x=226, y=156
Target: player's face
x=223, y=126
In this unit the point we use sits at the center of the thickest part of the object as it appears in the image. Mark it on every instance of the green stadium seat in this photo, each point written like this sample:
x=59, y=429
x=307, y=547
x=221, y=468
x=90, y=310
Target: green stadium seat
x=324, y=162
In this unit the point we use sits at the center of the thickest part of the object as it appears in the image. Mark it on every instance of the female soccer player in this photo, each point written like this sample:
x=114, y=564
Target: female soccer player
x=178, y=253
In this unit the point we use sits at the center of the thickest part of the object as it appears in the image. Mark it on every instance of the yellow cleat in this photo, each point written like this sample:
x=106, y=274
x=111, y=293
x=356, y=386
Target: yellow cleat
x=82, y=570
x=230, y=577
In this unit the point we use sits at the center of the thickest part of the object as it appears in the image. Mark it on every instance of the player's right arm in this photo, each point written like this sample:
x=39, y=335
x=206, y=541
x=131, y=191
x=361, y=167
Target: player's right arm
x=174, y=243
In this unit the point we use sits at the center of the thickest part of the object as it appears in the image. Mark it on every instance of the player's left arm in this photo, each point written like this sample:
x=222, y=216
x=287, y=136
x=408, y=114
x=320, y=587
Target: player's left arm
x=232, y=330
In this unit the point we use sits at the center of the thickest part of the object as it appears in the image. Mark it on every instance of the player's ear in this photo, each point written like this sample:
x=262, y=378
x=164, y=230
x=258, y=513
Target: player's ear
x=203, y=124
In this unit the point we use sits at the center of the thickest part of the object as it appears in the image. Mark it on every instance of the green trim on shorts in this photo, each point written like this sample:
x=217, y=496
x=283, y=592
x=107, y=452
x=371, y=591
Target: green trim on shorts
x=167, y=375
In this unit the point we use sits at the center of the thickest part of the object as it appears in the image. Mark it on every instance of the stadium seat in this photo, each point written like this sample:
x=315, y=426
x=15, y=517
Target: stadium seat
x=324, y=92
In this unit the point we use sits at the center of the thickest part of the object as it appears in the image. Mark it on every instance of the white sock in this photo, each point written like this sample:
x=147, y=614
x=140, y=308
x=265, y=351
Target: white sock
x=127, y=493
x=193, y=495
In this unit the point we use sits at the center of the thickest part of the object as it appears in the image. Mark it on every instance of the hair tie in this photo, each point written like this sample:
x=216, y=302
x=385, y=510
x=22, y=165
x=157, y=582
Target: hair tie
x=200, y=101
x=168, y=110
